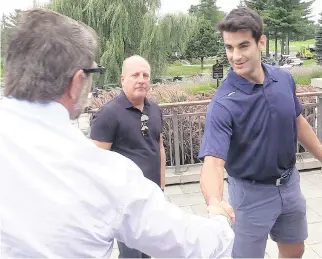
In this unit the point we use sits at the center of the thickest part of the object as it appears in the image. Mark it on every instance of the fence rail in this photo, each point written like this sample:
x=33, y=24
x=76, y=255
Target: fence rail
x=184, y=123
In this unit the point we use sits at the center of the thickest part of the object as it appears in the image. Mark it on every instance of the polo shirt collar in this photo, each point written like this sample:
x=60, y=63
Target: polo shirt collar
x=246, y=86
x=126, y=102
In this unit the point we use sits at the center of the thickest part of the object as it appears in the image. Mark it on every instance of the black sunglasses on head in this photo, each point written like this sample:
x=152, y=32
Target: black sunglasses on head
x=144, y=124
x=98, y=69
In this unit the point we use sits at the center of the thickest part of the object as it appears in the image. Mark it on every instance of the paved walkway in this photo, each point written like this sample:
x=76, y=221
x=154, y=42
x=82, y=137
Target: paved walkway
x=189, y=197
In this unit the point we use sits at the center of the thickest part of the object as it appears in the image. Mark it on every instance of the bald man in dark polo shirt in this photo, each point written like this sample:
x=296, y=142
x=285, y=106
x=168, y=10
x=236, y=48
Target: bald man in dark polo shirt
x=252, y=127
x=131, y=125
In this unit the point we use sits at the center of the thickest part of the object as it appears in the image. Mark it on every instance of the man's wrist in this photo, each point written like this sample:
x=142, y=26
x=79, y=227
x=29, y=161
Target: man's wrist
x=320, y=154
x=214, y=200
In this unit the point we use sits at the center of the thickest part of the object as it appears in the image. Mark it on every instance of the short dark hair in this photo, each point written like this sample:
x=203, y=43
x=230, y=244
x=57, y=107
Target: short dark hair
x=243, y=19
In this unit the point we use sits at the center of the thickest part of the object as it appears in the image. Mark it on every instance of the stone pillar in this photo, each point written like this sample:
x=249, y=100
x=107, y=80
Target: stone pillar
x=317, y=83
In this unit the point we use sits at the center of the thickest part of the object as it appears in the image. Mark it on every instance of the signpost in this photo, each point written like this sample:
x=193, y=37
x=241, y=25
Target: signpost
x=217, y=72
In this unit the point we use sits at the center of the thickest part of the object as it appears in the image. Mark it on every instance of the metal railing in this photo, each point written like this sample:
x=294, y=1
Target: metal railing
x=183, y=128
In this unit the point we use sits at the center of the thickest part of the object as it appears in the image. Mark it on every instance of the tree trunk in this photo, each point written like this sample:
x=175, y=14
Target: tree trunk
x=283, y=45
x=201, y=59
x=288, y=43
x=276, y=58
x=267, y=45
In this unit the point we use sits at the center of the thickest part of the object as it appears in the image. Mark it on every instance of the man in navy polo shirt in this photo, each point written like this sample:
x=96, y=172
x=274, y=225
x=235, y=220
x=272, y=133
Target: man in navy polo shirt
x=131, y=125
x=252, y=127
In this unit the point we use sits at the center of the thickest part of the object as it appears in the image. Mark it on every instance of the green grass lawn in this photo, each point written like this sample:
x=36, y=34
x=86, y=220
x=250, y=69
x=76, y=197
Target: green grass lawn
x=309, y=62
x=294, y=45
x=179, y=70
x=201, y=87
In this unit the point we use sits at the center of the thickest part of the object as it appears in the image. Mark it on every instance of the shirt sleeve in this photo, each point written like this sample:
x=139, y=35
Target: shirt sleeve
x=217, y=133
x=160, y=229
x=298, y=105
x=104, y=125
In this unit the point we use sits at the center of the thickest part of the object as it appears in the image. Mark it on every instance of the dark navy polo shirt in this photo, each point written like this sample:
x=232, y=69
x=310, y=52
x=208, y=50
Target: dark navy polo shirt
x=118, y=122
x=253, y=127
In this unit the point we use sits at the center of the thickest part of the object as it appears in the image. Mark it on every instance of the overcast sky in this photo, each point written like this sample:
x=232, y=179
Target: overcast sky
x=166, y=6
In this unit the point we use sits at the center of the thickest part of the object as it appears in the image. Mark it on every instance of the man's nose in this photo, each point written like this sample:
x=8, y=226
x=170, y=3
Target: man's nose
x=237, y=55
x=140, y=78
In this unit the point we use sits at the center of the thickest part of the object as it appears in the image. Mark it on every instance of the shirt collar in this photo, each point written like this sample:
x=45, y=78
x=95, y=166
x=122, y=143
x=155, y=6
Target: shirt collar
x=53, y=111
x=246, y=86
x=127, y=104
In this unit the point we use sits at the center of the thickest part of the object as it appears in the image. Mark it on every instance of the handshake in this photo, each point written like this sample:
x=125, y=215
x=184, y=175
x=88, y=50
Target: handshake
x=221, y=208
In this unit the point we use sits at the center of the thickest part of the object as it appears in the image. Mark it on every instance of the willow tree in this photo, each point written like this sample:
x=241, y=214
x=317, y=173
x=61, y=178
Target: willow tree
x=128, y=27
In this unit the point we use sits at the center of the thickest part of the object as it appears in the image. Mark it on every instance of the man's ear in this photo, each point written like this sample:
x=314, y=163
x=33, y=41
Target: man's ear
x=122, y=79
x=262, y=42
x=76, y=84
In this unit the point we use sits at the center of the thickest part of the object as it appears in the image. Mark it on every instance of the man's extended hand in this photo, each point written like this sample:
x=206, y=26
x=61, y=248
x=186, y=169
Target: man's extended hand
x=221, y=208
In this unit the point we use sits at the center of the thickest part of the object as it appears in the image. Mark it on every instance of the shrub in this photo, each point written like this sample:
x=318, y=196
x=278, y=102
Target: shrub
x=303, y=75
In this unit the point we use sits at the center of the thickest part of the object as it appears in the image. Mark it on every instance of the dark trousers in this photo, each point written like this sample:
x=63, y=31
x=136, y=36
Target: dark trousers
x=126, y=252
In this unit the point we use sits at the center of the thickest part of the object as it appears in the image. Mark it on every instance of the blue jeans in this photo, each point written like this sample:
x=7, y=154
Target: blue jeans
x=263, y=209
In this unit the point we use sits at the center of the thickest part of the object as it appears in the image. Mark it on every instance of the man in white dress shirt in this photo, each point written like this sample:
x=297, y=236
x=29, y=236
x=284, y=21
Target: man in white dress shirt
x=61, y=195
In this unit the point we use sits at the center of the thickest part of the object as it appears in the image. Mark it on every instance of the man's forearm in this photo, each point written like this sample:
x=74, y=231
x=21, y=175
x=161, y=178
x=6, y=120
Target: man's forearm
x=212, y=183
x=308, y=138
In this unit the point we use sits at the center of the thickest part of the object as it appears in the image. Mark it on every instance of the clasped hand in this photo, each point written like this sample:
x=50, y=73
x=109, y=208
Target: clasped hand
x=222, y=208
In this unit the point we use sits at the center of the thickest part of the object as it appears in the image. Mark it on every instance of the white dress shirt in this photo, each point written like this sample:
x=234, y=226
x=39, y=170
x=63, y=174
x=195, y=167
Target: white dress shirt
x=61, y=196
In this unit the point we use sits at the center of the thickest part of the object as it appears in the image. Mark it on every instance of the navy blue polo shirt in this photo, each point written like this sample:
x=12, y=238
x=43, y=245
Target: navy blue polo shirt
x=253, y=127
x=119, y=123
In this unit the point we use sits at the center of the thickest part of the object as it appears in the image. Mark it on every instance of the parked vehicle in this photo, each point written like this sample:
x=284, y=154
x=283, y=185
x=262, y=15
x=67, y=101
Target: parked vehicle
x=289, y=61
x=306, y=52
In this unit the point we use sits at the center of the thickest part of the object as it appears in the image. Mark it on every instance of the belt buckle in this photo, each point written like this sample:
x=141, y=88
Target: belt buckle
x=283, y=177
x=278, y=181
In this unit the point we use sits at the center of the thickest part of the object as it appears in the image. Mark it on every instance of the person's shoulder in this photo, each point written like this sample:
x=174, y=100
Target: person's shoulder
x=223, y=91
x=154, y=106
x=109, y=109
x=112, y=104
x=277, y=72
x=153, y=103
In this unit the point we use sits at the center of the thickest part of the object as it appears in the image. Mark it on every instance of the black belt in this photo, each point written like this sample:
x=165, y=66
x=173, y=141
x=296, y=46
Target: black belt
x=283, y=179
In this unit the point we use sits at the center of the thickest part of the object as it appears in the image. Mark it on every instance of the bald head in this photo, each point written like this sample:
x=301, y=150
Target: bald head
x=133, y=61
x=135, y=78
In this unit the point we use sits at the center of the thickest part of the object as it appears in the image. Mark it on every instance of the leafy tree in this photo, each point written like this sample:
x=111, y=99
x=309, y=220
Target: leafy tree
x=318, y=42
x=262, y=7
x=208, y=10
x=7, y=23
x=306, y=34
x=257, y=5
x=130, y=27
x=204, y=43
x=221, y=54
x=282, y=18
x=241, y=3
x=286, y=17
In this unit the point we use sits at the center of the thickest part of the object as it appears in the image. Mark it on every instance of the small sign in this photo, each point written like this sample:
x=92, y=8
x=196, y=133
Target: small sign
x=217, y=71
